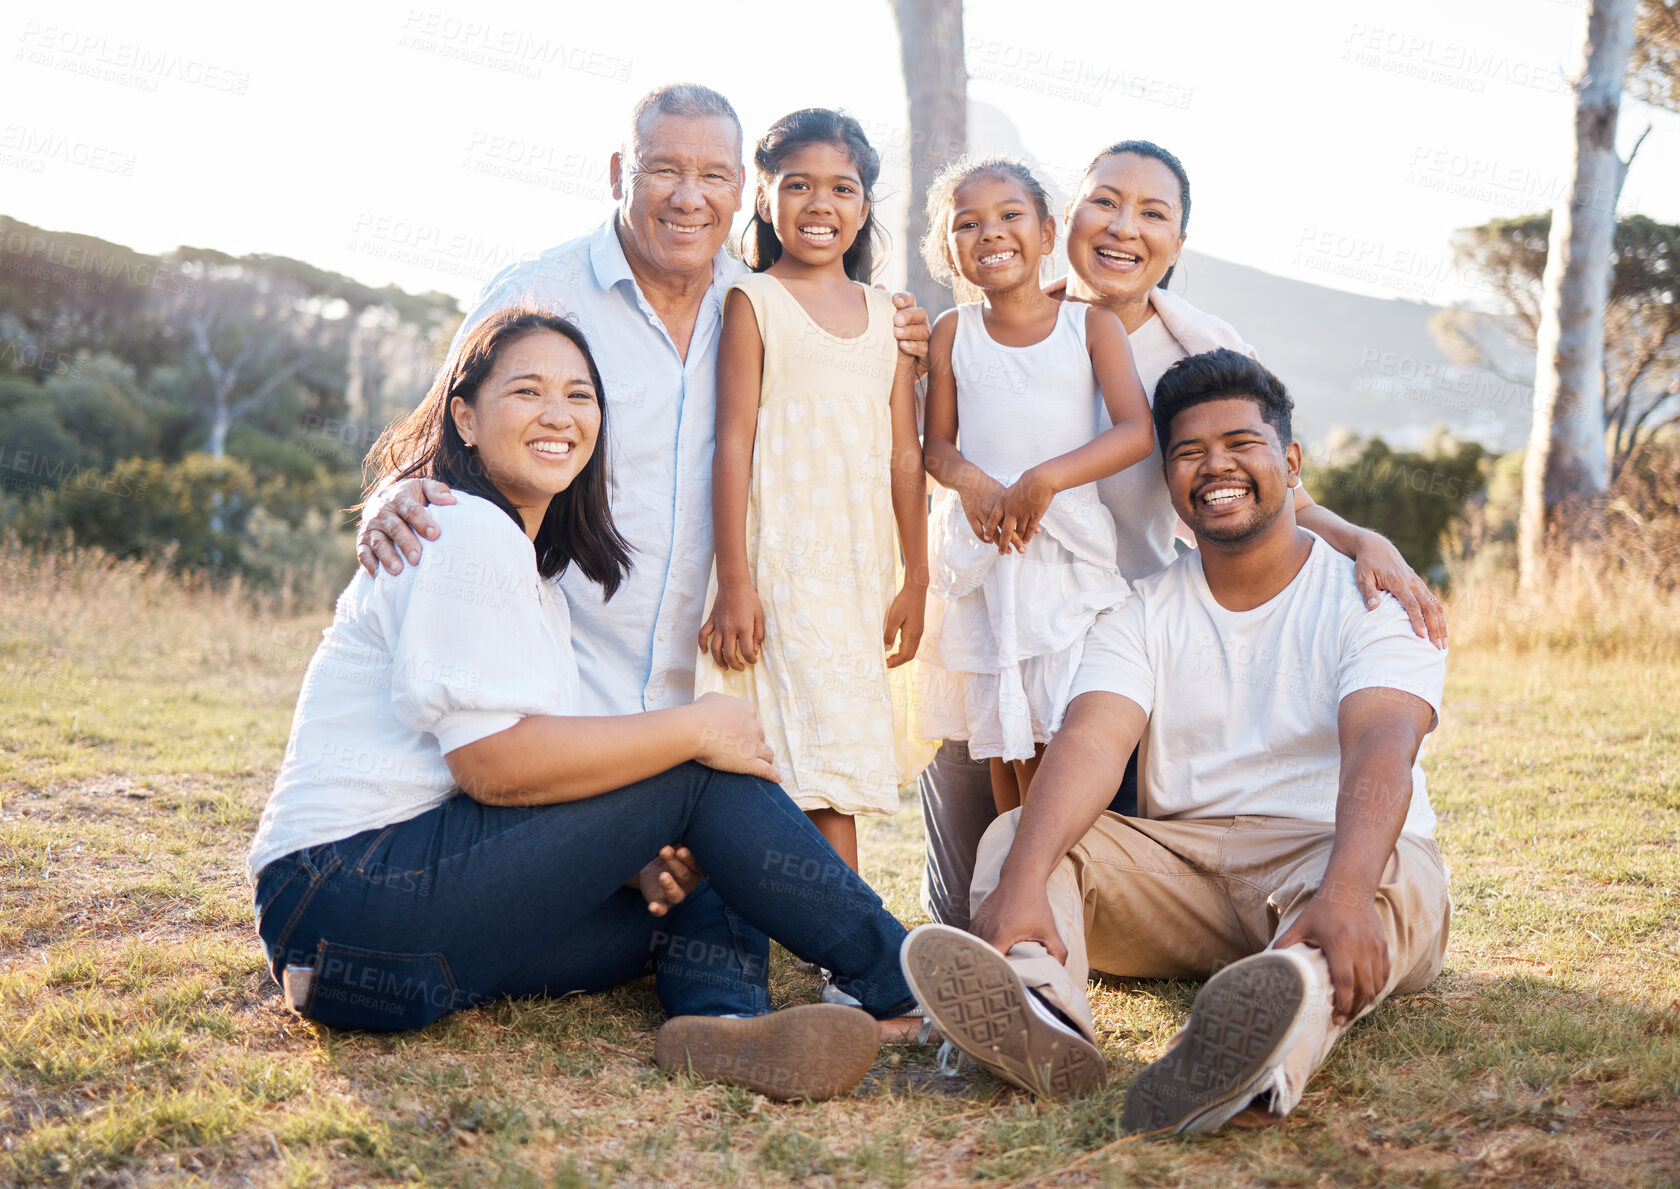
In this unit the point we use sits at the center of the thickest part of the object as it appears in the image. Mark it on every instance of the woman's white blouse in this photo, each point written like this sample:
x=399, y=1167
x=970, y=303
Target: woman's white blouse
x=414, y=666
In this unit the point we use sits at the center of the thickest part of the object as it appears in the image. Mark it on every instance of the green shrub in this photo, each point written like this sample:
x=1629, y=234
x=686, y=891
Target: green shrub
x=1409, y=496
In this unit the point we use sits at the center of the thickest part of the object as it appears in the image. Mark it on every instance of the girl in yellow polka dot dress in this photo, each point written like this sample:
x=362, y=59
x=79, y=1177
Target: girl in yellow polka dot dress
x=813, y=617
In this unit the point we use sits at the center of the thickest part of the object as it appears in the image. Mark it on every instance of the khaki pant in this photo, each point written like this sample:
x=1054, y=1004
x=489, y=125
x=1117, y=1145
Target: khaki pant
x=1180, y=899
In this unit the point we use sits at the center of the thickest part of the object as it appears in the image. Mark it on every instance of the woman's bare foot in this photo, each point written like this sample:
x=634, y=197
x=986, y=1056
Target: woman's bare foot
x=901, y=1030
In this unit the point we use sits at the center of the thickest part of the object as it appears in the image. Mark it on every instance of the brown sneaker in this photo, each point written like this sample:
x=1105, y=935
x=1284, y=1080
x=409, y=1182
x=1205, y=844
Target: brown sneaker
x=975, y=997
x=812, y=1051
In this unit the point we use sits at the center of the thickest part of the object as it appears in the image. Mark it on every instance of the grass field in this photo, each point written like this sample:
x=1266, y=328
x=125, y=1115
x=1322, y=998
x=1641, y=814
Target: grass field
x=142, y=1041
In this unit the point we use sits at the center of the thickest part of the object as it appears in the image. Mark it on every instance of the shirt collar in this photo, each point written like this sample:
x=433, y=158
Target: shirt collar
x=606, y=255
x=607, y=258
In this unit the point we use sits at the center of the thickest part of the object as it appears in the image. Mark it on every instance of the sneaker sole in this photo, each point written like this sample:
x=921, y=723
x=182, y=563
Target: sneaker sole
x=1241, y=1022
x=970, y=991
x=813, y=1051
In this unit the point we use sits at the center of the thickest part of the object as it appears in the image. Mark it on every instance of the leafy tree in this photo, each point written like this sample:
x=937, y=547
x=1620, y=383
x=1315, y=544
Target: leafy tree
x=1410, y=496
x=1640, y=358
x=1654, y=74
x=247, y=333
x=1566, y=459
x=200, y=354
x=36, y=451
x=100, y=401
x=61, y=293
x=193, y=511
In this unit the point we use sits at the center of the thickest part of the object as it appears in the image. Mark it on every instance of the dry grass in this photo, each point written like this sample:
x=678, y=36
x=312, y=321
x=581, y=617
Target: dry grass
x=1612, y=570
x=142, y=1042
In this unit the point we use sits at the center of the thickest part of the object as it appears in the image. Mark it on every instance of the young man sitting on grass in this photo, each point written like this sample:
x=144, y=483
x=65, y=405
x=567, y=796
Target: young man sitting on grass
x=1285, y=844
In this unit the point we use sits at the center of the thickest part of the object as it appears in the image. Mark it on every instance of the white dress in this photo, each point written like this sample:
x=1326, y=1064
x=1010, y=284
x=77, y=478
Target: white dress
x=822, y=547
x=1006, y=632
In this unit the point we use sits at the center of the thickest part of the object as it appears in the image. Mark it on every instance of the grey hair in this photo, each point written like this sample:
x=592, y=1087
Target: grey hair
x=688, y=100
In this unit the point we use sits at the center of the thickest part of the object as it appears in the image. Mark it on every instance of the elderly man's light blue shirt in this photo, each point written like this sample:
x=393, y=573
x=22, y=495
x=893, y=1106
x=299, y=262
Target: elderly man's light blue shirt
x=638, y=651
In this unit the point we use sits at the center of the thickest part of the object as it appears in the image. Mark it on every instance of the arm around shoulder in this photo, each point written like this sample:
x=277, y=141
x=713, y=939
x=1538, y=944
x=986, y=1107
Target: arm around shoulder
x=1378, y=566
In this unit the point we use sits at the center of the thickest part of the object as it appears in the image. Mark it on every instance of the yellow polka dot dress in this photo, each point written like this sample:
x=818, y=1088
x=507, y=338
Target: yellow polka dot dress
x=823, y=550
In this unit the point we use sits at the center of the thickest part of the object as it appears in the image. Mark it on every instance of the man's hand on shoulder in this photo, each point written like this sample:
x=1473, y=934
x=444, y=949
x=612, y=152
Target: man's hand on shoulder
x=911, y=328
x=1342, y=921
x=393, y=522
x=1018, y=910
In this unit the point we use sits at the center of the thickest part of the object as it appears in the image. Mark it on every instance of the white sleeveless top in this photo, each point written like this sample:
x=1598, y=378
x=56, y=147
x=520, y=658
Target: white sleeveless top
x=1017, y=406
x=1006, y=632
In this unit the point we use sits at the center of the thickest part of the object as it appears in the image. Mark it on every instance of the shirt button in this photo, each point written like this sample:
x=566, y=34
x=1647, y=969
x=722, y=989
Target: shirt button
x=664, y=635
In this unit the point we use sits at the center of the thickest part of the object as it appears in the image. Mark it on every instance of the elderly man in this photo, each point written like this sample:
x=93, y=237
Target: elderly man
x=1285, y=846
x=646, y=287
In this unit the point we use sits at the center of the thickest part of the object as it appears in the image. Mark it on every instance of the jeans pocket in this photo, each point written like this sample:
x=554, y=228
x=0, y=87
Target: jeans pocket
x=376, y=868
x=377, y=990
x=273, y=883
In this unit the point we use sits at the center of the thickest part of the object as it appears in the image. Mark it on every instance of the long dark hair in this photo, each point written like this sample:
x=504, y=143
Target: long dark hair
x=1148, y=148
x=578, y=525
x=815, y=125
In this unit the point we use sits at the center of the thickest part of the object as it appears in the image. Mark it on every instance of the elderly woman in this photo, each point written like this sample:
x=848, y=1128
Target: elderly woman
x=1125, y=231
x=446, y=829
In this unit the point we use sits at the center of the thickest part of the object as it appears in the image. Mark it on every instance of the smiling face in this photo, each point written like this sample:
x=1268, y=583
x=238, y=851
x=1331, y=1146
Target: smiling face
x=678, y=187
x=1228, y=474
x=997, y=238
x=816, y=204
x=534, y=422
x=1123, y=227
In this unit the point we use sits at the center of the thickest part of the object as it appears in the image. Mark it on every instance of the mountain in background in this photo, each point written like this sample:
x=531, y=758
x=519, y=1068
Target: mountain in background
x=1366, y=364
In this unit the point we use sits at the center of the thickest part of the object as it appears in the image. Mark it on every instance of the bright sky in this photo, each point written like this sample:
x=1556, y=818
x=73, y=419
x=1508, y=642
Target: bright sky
x=428, y=142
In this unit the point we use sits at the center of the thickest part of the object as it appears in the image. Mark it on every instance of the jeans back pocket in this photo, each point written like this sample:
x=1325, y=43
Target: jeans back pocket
x=377, y=990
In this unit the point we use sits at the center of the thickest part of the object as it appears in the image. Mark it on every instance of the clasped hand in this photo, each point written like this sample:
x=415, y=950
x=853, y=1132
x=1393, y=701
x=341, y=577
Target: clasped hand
x=1020, y=508
x=1005, y=516
x=734, y=632
x=667, y=881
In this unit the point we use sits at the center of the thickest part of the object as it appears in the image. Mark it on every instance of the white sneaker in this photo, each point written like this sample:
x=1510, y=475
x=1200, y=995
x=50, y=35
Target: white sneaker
x=833, y=994
x=1241, y=1025
x=981, y=1005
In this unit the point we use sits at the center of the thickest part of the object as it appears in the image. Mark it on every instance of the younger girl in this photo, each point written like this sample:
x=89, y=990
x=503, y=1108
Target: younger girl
x=1019, y=372
x=817, y=458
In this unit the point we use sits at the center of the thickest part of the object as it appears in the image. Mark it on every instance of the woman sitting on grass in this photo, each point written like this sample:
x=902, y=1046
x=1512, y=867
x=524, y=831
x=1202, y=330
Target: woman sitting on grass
x=446, y=829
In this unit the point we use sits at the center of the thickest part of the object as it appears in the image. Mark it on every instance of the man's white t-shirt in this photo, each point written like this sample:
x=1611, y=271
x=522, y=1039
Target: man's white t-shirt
x=414, y=666
x=1243, y=705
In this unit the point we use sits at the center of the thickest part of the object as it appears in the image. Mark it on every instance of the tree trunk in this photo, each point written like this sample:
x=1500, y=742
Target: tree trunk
x=221, y=420
x=1566, y=457
x=930, y=47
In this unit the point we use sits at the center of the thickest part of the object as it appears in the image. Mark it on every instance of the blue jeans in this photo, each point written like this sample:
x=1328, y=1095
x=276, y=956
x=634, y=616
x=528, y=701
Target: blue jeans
x=469, y=902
